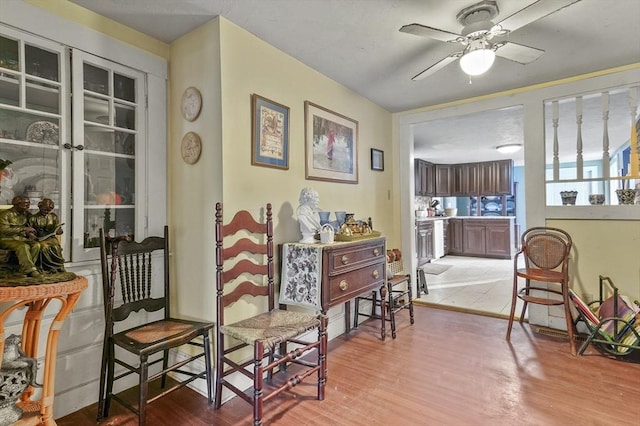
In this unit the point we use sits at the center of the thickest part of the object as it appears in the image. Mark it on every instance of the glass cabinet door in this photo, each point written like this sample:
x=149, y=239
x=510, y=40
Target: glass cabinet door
x=108, y=103
x=32, y=128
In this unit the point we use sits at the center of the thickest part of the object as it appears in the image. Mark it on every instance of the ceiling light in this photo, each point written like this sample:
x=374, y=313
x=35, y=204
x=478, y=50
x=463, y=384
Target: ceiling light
x=509, y=148
x=478, y=58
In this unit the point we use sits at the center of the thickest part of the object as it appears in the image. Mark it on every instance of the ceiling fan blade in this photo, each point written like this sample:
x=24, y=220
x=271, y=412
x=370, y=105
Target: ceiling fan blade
x=424, y=31
x=437, y=66
x=533, y=12
x=517, y=52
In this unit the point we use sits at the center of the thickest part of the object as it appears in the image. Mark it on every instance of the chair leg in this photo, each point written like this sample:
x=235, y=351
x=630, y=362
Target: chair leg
x=392, y=310
x=207, y=360
x=219, y=370
x=322, y=356
x=514, y=298
x=143, y=391
x=410, y=296
x=103, y=379
x=525, y=303
x=109, y=387
x=258, y=383
x=165, y=364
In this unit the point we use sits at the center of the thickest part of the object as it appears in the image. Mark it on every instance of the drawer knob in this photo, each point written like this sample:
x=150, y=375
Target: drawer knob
x=375, y=252
x=345, y=259
x=375, y=274
x=343, y=285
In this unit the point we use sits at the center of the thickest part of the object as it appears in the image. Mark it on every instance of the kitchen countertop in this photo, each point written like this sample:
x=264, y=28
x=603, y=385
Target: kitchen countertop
x=420, y=219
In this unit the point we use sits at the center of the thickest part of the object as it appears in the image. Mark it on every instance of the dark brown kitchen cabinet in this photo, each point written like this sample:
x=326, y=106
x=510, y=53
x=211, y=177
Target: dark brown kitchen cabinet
x=454, y=237
x=496, y=177
x=443, y=177
x=457, y=180
x=488, y=237
x=424, y=241
x=424, y=178
x=471, y=176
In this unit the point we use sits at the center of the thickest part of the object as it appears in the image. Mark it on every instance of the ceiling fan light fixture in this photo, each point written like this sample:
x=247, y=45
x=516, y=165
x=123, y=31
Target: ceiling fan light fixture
x=509, y=148
x=477, y=61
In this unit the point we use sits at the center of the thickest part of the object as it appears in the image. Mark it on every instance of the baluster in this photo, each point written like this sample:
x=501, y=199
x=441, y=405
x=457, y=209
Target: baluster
x=633, y=141
x=606, y=160
x=579, y=138
x=556, y=159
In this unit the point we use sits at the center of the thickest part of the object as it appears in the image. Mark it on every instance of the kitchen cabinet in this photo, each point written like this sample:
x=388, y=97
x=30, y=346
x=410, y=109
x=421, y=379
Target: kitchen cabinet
x=488, y=237
x=496, y=177
x=454, y=236
x=457, y=180
x=442, y=178
x=424, y=241
x=73, y=125
x=424, y=178
x=471, y=179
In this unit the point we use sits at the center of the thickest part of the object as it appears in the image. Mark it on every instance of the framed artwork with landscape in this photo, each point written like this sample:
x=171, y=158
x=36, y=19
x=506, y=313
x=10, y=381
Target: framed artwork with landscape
x=331, y=145
x=269, y=133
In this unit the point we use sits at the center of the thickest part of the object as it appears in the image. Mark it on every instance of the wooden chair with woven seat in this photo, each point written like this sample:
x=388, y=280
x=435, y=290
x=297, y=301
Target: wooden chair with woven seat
x=245, y=270
x=131, y=285
x=399, y=295
x=545, y=251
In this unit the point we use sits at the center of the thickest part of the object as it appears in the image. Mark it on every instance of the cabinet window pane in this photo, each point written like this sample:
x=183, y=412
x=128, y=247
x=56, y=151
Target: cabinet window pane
x=114, y=221
x=125, y=116
x=96, y=110
x=41, y=63
x=34, y=172
x=9, y=89
x=96, y=79
x=125, y=88
x=9, y=54
x=43, y=97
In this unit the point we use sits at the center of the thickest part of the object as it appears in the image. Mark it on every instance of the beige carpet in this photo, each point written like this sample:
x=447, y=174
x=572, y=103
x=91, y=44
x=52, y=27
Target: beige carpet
x=435, y=268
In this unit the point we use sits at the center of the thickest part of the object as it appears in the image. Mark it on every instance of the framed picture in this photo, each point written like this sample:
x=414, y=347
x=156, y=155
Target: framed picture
x=331, y=145
x=377, y=159
x=269, y=133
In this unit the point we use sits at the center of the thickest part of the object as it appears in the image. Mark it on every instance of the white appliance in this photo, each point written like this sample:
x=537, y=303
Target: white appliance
x=438, y=239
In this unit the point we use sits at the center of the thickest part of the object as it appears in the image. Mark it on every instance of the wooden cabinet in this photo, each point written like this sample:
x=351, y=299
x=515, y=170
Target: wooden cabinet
x=496, y=177
x=454, y=236
x=457, y=180
x=424, y=241
x=488, y=237
x=443, y=178
x=424, y=178
x=471, y=176
x=350, y=269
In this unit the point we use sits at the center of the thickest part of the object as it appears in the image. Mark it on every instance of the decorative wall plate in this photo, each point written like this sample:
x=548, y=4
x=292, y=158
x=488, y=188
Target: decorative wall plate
x=191, y=147
x=191, y=103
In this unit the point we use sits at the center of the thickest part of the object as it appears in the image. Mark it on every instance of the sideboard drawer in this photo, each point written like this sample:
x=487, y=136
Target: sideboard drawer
x=355, y=256
x=343, y=287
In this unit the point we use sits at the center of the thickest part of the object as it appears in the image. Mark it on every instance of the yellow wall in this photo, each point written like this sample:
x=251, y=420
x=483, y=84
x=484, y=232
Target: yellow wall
x=603, y=247
x=227, y=64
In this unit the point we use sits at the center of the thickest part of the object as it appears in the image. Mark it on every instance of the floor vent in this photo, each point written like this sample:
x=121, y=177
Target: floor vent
x=552, y=332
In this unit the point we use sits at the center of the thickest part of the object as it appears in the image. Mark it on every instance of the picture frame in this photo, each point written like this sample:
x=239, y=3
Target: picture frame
x=269, y=133
x=377, y=159
x=331, y=145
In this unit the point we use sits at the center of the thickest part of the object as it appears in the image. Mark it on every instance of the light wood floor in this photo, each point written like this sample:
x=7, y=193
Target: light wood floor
x=450, y=368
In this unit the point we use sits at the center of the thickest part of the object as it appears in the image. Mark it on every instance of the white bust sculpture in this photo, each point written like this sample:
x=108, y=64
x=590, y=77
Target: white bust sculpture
x=307, y=213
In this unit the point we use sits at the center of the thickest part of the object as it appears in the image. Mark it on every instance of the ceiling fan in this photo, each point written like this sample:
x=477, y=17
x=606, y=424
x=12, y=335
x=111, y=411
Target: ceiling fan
x=481, y=38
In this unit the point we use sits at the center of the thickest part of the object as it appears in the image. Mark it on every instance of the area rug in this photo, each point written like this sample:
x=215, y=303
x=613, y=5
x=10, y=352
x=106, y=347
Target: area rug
x=435, y=268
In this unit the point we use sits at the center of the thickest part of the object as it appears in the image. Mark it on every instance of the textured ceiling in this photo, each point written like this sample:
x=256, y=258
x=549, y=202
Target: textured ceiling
x=357, y=43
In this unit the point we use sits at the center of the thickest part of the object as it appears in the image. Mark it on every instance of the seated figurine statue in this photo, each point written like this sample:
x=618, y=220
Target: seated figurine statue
x=307, y=214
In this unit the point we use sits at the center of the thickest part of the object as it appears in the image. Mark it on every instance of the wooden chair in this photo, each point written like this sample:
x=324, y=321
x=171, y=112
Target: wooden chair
x=546, y=260
x=245, y=268
x=399, y=297
x=130, y=284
